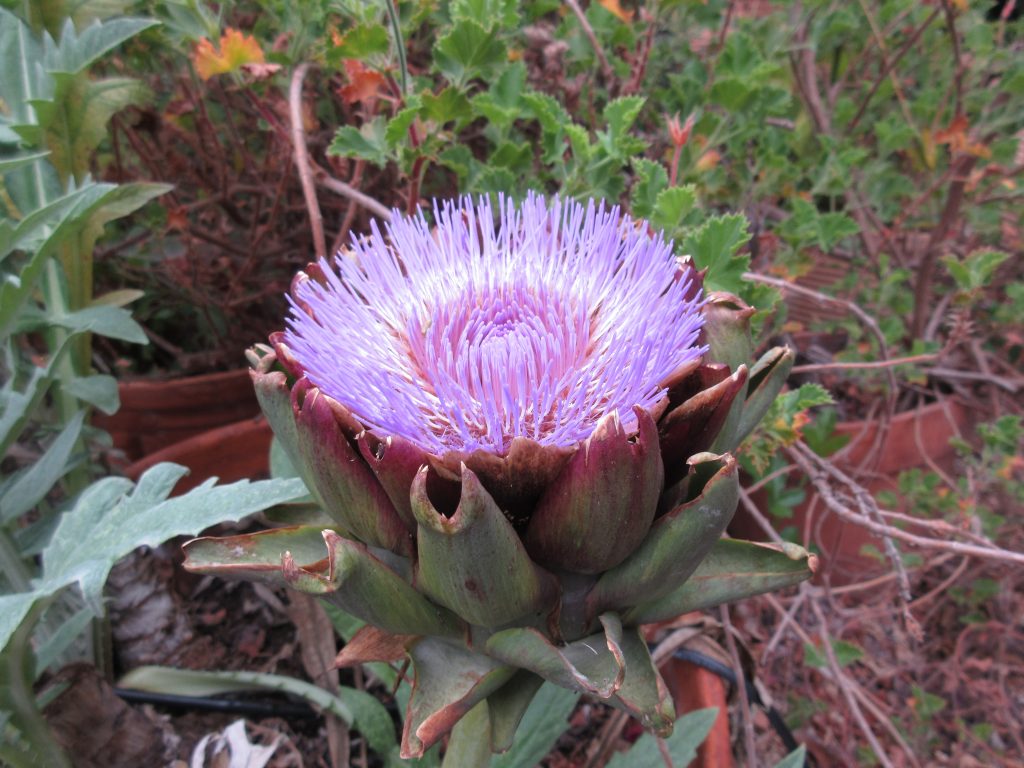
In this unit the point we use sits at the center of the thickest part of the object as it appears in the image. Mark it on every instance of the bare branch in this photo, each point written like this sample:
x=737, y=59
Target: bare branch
x=301, y=154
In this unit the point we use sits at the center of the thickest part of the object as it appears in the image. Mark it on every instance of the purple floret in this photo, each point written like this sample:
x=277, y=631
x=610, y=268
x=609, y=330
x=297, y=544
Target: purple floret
x=467, y=335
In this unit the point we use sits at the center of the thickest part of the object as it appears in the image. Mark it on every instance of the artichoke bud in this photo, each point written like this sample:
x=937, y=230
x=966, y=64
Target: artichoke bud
x=519, y=425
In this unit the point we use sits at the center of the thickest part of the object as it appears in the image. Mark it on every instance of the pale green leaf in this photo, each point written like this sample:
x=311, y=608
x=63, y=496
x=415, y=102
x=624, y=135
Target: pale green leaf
x=364, y=712
x=99, y=390
x=118, y=298
x=77, y=50
x=10, y=163
x=544, y=721
x=20, y=79
x=111, y=518
x=95, y=204
x=689, y=733
x=112, y=322
x=34, y=483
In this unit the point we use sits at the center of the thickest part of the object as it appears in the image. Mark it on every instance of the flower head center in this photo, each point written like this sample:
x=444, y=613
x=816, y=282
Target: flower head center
x=464, y=336
x=504, y=347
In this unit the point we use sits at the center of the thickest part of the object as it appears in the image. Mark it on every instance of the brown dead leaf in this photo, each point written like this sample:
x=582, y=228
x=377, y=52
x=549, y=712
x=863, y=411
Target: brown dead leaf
x=364, y=84
x=372, y=644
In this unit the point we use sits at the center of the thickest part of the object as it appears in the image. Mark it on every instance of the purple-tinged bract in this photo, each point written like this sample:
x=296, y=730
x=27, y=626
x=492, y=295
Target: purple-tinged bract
x=535, y=322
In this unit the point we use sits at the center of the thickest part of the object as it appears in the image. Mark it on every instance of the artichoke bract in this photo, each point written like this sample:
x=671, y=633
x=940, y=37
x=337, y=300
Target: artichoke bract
x=519, y=423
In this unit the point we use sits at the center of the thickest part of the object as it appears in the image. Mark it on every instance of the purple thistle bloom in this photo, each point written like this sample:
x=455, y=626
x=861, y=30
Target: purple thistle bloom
x=468, y=335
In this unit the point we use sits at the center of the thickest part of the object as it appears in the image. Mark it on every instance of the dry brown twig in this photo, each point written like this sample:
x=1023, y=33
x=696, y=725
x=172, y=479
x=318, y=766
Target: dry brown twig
x=846, y=688
x=301, y=155
x=822, y=474
x=866, y=319
x=737, y=668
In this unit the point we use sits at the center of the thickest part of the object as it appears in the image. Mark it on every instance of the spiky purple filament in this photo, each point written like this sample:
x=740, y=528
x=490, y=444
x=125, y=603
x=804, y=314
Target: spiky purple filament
x=472, y=334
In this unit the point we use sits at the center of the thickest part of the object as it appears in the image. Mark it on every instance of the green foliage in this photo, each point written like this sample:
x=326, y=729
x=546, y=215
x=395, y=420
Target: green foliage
x=715, y=246
x=544, y=721
x=846, y=653
x=689, y=733
x=782, y=425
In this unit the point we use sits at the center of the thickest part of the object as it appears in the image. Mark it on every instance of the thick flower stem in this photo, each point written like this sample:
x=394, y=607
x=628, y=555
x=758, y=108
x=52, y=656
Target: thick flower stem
x=470, y=743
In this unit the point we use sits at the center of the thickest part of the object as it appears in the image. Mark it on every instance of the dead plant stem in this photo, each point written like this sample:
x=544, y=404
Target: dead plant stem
x=301, y=155
x=749, y=744
x=865, y=365
x=845, y=688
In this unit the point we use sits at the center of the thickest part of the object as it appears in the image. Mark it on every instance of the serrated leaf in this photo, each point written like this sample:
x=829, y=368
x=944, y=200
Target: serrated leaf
x=450, y=105
x=671, y=207
x=651, y=180
x=396, y=132
x=110, y=519
x=468, y=51
x=367, y=143
x=547, y=110
x=977, y=269
x=621, y=113
x=77, y=50
x=730, y=92
x=490, y=13
x=808, y=396
x=234, y=50
x=714, y=246
x=74, y=119
x=458, y=158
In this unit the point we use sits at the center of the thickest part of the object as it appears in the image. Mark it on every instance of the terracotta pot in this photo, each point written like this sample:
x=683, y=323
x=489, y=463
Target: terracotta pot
x=233, y=452
x=913, y=439
x=155, y=414
x=692, y=688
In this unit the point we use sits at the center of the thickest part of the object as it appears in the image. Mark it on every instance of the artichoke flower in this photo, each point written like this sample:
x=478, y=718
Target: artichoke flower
x=518, y=421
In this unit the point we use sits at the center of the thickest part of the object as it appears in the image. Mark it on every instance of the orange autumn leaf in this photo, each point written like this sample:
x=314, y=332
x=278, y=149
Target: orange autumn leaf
x=709, y=160
x=235, y=50
x=363, y=83
x=958, y=140
x=615, y=8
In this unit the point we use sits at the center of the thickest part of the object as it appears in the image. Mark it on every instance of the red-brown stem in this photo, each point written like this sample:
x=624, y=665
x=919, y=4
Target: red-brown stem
x=911, y=41
x=673, y=173
x=926, y=270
